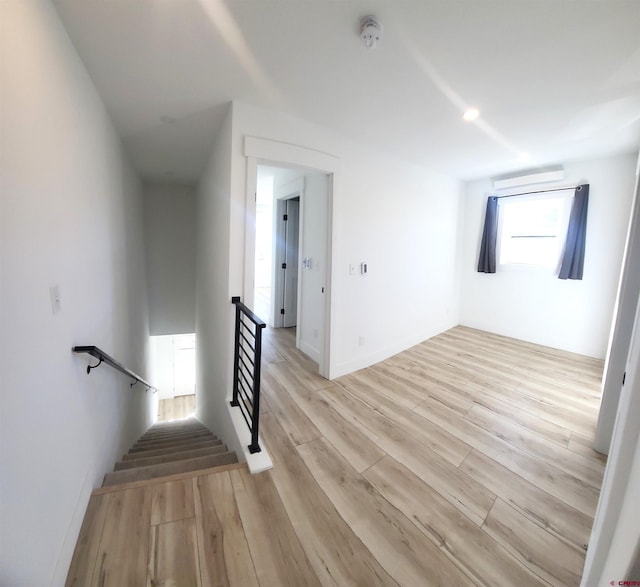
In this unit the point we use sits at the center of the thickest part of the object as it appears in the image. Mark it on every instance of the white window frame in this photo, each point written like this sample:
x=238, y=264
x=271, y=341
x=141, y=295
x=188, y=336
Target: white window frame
x=552, y=266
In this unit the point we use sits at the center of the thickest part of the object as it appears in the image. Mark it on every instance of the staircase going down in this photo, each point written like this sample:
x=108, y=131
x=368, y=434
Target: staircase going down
x=170, y=448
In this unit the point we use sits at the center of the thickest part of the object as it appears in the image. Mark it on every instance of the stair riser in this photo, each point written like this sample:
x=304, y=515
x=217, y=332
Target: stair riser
x=177, y=423
x=169, y=429
x=163, y=451
x=167, y=443
x=176, y=434
x=168, y=439
x=189, y=454
x=152, y=472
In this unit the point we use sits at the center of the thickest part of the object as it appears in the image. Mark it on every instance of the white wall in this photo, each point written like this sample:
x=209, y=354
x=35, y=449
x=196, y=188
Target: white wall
x=170, y=228
x=533, y=304
x=400, y=218
x=621, y=329
x=214, y=311
x=71, y=216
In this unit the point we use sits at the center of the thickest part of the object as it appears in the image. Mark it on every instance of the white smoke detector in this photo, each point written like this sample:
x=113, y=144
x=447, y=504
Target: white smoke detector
x=370, y=31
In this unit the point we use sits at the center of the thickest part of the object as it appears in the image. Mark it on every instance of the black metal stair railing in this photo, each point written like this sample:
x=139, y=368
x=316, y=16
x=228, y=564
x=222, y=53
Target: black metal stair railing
x=247, y=355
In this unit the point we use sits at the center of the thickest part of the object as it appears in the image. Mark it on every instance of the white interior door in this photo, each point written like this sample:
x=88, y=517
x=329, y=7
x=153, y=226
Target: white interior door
x=313, y=267
x=184, y=360
x=174, y=364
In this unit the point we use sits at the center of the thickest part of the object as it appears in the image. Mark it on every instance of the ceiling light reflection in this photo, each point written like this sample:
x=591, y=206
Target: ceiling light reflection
x=471, y=114
x=227, y=28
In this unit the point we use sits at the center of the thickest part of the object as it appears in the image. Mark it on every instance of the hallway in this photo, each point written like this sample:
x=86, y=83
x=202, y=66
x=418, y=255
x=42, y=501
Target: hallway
x=176, y=408
x=462, y=461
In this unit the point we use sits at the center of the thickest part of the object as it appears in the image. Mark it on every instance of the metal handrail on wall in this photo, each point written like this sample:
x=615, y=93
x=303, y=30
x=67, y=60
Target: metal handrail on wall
x=103, y=357
x=247, y=355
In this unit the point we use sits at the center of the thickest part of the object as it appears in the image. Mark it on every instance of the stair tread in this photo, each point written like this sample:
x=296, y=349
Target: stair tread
x=167, y=458
x=167, y=478
x=164, y=469
x=136, y=454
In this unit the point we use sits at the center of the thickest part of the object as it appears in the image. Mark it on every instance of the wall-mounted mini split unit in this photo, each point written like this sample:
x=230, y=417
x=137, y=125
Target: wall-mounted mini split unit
x=528, y=177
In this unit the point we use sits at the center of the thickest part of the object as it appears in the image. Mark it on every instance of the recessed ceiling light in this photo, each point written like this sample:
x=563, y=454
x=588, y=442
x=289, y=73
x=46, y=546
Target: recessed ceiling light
x=524, y=157
x=471, y=114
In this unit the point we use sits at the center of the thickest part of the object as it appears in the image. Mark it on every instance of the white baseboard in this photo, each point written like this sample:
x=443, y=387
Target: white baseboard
x=311, y=352
x=257, y=462
x=380, y=355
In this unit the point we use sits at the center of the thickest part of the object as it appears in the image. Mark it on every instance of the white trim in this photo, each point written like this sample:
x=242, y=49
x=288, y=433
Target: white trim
x=277, y=152
x=311, y=352
x=566, y=196
x=267, y=152
x=301, y=229
x=615, y=536
x=61, y=568
x=250, y=235
x=380, y=355
x=621, y=328
x=259, y=461
x=327, y=370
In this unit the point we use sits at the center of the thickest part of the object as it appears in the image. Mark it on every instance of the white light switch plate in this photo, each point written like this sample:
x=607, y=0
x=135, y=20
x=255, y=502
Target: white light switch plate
x=54, y=294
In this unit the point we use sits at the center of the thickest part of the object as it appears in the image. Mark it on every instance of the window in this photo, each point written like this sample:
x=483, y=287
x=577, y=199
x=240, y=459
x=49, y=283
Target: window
x=532, y=230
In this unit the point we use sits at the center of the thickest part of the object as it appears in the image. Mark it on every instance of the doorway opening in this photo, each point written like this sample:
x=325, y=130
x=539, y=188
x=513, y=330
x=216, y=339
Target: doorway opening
x=287, y=253
x=292, y=252
x=174, y=369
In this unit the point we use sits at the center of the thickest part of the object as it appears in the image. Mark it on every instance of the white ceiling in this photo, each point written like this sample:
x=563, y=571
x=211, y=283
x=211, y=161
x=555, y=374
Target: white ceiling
x=558, y=79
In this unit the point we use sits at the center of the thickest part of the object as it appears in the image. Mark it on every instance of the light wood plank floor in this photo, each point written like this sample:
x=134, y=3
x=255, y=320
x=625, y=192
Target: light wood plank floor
x=463, y=461
x=177, y=408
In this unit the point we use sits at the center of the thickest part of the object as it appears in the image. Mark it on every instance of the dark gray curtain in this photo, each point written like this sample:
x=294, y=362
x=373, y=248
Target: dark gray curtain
x=487, y=260
x=573, y=258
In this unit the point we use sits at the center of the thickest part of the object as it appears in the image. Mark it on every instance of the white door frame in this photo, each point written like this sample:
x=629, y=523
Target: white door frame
x=620, y=337
x=267, y=152
x=615, y=537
